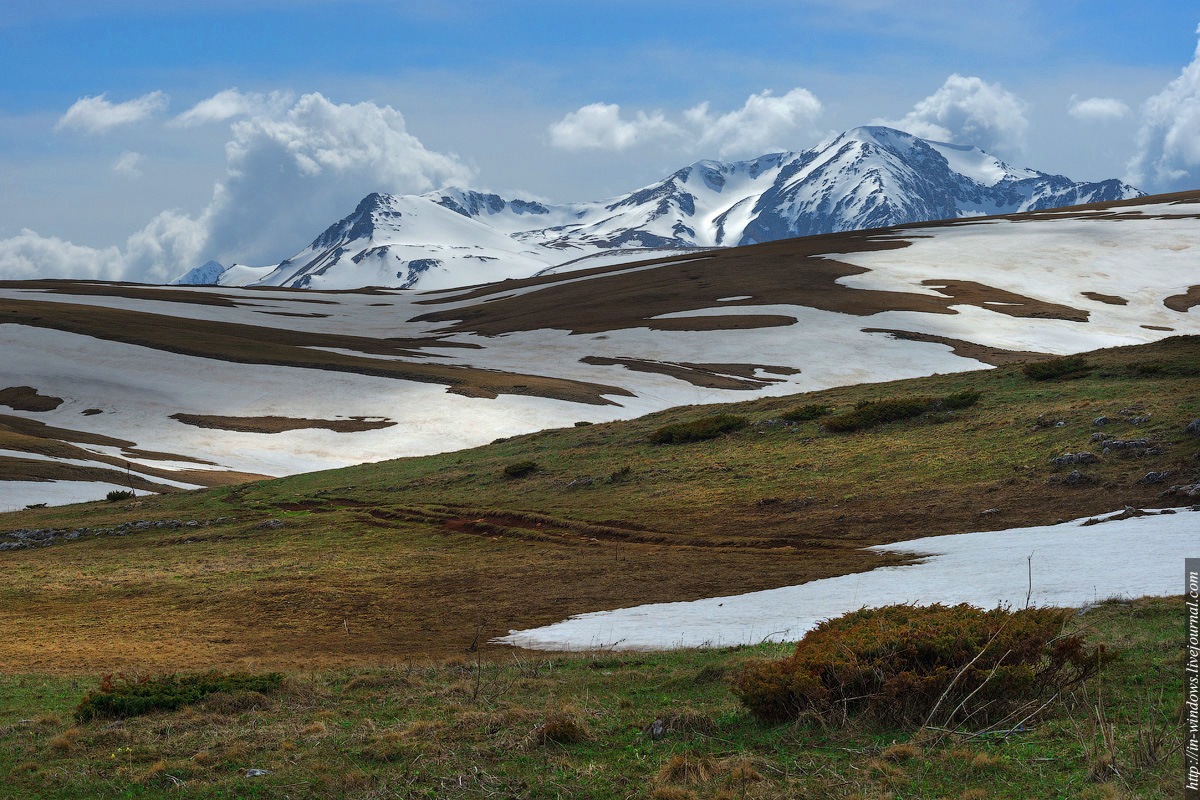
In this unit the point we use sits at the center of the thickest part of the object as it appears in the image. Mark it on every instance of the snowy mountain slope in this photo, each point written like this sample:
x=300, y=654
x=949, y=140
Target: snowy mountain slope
x=868, y=177
x=276, y=382
x=393, y=240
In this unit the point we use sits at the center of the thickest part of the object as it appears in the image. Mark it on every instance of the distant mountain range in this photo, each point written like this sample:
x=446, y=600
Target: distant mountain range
x=868, y=177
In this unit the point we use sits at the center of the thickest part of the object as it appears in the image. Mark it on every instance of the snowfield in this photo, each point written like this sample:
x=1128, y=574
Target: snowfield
x=1071, y=565
x=1049, y=283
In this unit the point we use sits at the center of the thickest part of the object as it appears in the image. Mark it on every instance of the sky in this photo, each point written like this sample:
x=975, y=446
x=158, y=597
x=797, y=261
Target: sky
x=139, y=140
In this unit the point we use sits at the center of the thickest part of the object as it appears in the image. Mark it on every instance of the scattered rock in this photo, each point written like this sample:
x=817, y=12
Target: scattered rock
x=1074, y=458
x=42, y=537
x=1101, y=421
x=257, y=773
x=1155, y=477
x=656, y=730
x=1077, y=478
x=1139, y=420
x=1193, y=427
x=988, y=511
x=1100, y=437
x=268, y=525
x=1184, y=490
x=585, y=480
x=1125, y=444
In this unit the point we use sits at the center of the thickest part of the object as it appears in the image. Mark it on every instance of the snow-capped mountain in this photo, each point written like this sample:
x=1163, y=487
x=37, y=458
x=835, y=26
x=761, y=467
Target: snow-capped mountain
x=868, y=177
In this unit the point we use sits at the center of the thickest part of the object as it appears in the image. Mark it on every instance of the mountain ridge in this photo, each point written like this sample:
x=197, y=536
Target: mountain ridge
x=867, y=177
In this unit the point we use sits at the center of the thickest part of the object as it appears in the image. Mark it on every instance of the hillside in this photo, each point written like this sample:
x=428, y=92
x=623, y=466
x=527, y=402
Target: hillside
x=109, y=386
x=432, y=555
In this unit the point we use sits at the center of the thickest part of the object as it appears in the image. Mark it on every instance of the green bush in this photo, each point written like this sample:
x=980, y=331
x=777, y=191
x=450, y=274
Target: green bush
x=519, y=469
x=119, y=494
x=892, y=665
x=871, y=413
x=806, y=412
x=698, y=430
x=1068, y=367
x=125, y=696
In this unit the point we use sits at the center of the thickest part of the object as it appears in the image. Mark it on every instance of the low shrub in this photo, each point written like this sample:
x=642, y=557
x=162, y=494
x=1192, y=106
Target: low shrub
x=1057, y=368
x=806, y=412
x=893, y=665
x=127, y=696
x=872, y=413
x=519, y=469
x=117, y=495
x=698, y=430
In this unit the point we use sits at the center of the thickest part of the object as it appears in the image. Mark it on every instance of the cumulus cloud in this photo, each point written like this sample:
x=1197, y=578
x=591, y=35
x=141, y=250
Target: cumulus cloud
x=128, y=164
x=968, y=110
x=1097, y=109
x=230, y=103
x=290, y=171
x=599, y=126
x=98, y=115
x=1167, y=156
x=763, y=122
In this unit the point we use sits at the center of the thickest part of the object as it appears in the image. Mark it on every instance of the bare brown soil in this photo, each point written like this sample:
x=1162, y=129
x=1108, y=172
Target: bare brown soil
x=26, y=398
x=1183, y=302
x=1004, y=302
x=280, y=424
x=709, y=376
x=251, y=344
x=988, y=355
x=1111, y=299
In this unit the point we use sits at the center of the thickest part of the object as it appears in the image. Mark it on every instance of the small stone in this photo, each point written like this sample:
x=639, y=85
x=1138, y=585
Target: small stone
x=1193, y=427
x=254, y=772
x=1100, y=421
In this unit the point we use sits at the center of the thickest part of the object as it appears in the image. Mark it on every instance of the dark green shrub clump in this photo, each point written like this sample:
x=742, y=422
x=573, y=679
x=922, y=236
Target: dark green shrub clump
x=892, y=665
x=119, y=494
x=122, y=696
x=698, y=430
x=519, y=469
x=1057, y=368
x=872, y=413
x=806, y=412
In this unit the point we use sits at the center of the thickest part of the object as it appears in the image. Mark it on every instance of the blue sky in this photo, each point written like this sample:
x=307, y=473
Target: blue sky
x=562, y=100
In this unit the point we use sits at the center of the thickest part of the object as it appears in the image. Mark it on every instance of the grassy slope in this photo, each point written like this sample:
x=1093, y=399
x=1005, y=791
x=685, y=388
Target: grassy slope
x=464, y=728
x=423, y=556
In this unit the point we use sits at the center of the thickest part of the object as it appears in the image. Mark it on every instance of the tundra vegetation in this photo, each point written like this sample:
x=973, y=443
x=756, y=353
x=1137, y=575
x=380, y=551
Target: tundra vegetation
x=374, y=590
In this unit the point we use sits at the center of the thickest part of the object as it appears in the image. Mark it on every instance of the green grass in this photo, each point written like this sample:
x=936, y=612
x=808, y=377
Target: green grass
x=470, y=728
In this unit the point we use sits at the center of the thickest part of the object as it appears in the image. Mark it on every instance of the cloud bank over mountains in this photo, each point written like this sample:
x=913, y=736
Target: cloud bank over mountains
x=294, y=162
x=291, y=165
x=1168, y=143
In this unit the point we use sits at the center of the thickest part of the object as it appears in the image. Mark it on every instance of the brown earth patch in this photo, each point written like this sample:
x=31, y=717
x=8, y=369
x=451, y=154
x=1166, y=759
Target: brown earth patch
x=995, y=356
x=789, y=272
x=280, y=424
x=29, y=469
x=1005, y=302
x=1157, y=328
x=314, y=315
x=708, y=376
x=1184, y=302
x=251, y=344
x=26, y=398
x=91, y=412
x=1111, y=299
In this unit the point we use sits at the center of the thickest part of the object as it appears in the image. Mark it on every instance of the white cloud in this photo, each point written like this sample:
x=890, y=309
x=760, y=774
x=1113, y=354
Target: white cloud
x=290, y=172
x=129, y=163
x=230, y=103
x=968, y=110
x=1168, y=144
x=599, y=126
x=98, y=115
x=1097, y=109
x=763, y=122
